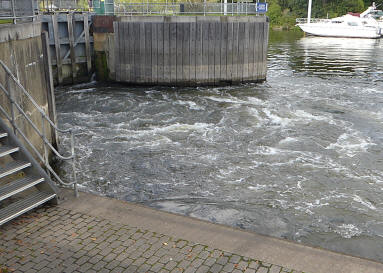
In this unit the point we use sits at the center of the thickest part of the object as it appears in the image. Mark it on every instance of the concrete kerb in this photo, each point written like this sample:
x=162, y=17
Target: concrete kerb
x=268, y=249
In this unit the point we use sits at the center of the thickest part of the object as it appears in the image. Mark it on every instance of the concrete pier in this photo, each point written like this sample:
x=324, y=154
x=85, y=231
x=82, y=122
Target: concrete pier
x=181, y=50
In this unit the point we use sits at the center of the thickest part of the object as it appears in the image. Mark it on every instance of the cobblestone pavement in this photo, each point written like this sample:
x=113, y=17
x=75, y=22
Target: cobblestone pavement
x=53, y=239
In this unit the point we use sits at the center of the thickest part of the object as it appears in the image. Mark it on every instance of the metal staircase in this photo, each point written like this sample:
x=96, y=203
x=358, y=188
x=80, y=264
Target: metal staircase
x=25, y=174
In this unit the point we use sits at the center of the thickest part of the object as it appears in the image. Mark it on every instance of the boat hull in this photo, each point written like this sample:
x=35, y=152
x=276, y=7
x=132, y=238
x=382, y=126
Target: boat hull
x=331, y=30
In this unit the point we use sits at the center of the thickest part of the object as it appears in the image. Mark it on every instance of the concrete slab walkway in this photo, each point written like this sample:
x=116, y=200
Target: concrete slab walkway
x=98, y=234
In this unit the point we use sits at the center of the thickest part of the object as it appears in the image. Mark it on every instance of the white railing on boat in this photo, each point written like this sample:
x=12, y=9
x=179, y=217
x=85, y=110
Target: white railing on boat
x=313, y=20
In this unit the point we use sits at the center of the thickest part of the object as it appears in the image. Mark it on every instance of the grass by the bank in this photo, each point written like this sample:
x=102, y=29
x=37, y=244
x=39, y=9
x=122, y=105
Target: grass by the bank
x=5, y=21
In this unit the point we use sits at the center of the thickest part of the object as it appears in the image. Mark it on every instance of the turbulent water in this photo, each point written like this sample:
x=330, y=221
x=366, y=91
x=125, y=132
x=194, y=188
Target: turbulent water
x=299, y=156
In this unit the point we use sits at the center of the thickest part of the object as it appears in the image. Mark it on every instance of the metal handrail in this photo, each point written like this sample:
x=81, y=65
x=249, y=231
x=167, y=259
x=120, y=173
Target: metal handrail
x=203, y=8
x=43, y=158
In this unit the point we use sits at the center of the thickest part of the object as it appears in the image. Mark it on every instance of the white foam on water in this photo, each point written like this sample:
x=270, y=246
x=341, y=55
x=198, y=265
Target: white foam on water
x=265, y=150
x=173, y=128
x=371, y=90
x=255, y=101
x=350, y=144
x=275, y=119
x=288, y=140
x=258, y=187
x=347, y=230
x=367, y=204
x=227, y=100
x=86, y=90
x=307, y=116
x=192, y=105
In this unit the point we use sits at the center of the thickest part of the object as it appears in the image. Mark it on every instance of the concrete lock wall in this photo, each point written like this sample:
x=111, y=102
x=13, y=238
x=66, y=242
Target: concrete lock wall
x=184, y=50
x=22, y=50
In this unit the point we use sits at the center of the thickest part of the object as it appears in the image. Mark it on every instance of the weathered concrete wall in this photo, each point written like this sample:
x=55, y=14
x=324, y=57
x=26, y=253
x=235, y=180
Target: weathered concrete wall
x=182, y=50
x=21, y=49
x=103, y=35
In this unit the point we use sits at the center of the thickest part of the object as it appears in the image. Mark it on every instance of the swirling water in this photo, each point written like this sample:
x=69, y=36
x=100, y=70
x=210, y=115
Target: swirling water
x=299, y=156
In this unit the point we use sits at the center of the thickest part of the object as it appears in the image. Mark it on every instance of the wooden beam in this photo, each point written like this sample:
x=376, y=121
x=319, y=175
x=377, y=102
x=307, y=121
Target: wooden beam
x=71, y=45
x=57, y=49
x=87, y=44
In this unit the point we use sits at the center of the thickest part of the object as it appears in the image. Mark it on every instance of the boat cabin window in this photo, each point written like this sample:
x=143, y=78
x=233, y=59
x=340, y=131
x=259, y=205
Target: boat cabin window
x=353, y=24
x=336, y=22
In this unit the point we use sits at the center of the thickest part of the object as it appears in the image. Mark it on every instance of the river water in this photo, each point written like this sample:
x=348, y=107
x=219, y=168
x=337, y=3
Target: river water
x=298, y=157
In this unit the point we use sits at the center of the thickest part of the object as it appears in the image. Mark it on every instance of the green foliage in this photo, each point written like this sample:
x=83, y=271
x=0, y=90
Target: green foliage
x=282, y=13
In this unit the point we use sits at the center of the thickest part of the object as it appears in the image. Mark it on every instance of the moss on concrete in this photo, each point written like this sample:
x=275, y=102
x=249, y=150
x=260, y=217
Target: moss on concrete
x=101, y=66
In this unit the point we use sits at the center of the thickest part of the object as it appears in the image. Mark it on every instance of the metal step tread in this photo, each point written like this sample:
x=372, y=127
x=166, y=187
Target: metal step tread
x=18, y=186
x=13, y=167
x=6, y=150
x=3, y=134
x=24, y=205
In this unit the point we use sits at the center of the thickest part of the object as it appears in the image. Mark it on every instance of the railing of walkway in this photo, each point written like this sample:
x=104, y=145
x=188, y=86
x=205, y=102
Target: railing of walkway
x=11, y=94
x=239, y=8
x=118, y=7
x=17, y=11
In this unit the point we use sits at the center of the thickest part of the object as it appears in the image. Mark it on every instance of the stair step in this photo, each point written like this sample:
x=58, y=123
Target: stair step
x=13, y=167
x=6, y=150
x=18, y=186
x=24, y=205
x=3, y=134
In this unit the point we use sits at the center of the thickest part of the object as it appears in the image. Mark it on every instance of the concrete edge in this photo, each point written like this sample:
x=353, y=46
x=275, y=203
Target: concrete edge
x=268, y=249
x=12, y=32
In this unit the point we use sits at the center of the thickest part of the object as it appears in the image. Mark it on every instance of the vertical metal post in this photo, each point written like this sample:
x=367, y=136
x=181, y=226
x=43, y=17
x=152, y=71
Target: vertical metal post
x=46, y=158
x=309, y=12
x=12, y=101
x=73, y=165
x=13, y=11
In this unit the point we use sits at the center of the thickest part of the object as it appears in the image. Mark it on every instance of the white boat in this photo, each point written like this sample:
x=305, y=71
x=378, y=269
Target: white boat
x=347, y=26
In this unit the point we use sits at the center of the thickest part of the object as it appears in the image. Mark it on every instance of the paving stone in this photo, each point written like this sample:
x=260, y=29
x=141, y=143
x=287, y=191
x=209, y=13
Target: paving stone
x=62, y=241
x=222, y=260
x=263, y=270
x=216, y=268
x=99, y=265
x=197, y=262
x=152, y=260
x=254, y=264
x=228, y=267
x=203, y=269
x=243, y=265
x=190, y=270
x=266, y=264
x=275, y=269
x=209, y=261
x=170, y=265
x=235, y=259
x=139, y=261
x=85, y=267
x=113, y=264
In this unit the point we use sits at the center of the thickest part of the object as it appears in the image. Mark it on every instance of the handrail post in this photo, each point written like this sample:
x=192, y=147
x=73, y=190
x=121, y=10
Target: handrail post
x=13, y=12
x=46, y=157
x=12, y=101
x=73, y=165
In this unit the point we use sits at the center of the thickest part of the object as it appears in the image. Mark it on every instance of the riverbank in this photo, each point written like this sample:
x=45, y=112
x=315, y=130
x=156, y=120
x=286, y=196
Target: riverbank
x=98, y=234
